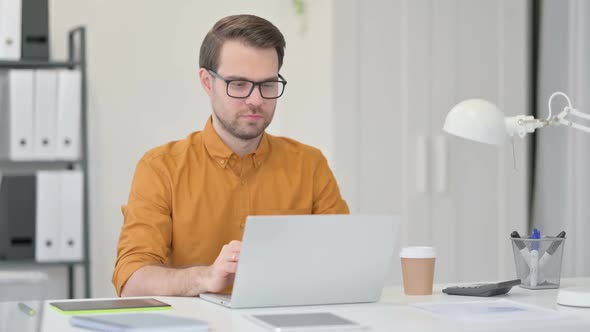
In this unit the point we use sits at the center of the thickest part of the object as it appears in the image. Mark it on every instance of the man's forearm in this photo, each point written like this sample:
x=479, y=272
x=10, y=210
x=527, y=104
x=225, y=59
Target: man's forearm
x=155, y=280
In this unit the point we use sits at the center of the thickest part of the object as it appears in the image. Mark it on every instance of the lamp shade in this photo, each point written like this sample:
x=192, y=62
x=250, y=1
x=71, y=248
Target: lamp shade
x=477, y=120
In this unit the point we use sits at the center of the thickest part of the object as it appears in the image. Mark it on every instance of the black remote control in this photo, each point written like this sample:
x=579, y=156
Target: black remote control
x=489, y=289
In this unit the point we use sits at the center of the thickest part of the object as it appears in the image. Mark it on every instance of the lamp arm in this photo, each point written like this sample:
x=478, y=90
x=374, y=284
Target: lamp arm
x=560, y=119
x=577, y=113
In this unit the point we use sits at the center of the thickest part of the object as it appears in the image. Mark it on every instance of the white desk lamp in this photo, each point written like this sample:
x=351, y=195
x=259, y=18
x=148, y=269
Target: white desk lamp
x=481, y=121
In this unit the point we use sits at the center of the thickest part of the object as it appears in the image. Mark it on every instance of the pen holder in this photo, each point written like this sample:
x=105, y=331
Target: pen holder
x=538, y=261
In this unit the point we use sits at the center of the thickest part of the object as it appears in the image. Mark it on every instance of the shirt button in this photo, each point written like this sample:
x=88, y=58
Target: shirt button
x=222, y=162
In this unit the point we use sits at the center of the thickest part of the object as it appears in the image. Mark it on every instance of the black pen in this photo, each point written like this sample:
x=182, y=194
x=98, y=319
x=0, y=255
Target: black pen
x=519, y=244
x=552, y=248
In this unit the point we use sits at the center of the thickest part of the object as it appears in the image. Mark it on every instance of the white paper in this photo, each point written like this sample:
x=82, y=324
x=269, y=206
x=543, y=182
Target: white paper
x=489, y=311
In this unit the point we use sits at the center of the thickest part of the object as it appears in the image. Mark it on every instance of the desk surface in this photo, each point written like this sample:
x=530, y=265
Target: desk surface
x=392, y=313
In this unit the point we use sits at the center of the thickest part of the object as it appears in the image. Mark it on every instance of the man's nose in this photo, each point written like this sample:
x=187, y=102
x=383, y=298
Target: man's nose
x=255, y=98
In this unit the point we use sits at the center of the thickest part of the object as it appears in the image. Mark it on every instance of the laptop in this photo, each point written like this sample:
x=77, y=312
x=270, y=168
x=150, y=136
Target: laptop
x=311, y=260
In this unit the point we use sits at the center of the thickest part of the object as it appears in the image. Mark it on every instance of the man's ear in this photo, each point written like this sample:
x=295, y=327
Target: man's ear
x=206, y=80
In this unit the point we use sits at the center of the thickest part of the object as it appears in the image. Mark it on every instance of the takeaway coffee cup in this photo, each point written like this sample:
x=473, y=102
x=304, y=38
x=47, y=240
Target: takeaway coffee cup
x=418, y=269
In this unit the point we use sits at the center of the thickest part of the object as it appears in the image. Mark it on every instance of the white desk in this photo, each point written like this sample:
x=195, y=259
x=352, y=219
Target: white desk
x=390, y=314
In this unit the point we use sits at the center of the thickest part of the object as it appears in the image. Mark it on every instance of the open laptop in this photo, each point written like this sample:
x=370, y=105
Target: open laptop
x=311, y=260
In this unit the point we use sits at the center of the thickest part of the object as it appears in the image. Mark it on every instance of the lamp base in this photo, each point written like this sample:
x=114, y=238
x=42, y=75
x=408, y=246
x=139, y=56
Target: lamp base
x=574, y=297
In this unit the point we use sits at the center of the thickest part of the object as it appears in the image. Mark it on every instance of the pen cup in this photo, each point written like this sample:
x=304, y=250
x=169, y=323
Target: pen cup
x=538, y=261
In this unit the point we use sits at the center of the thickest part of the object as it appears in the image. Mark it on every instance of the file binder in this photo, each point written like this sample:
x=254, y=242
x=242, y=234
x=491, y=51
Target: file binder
x=16, y=114
x=10, y=29
x=69, y=83
x=17, y=216
x=45, y=111
x=71, y=214
x=47, y=232
x=35, y=30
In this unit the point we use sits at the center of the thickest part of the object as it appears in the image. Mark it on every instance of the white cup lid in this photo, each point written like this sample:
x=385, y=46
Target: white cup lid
x=418, y=252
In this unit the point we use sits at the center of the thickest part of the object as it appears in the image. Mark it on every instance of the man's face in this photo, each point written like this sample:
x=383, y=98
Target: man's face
x=246, y=118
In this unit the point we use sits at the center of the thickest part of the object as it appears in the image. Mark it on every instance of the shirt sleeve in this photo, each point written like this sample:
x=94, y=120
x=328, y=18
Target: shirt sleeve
x=147, y=228
x=326, y=194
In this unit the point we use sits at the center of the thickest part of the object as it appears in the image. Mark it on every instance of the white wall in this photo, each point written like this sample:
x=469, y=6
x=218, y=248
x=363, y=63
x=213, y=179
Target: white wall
x=143, y=89
x=561, y=201
x=413, y=61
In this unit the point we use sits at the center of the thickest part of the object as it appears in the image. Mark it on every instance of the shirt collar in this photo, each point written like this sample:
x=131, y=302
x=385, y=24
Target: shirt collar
x=221, y=152
x=263, y=149
x=215, y=146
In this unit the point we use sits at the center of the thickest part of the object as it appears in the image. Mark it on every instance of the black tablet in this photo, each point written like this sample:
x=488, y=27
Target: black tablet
x=103, y=306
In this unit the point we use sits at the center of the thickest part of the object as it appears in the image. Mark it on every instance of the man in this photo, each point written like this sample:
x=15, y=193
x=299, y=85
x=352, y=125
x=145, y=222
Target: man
x=190, y=198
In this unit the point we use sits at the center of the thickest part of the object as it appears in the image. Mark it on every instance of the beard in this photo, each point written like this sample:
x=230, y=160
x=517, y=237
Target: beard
x=243, y=131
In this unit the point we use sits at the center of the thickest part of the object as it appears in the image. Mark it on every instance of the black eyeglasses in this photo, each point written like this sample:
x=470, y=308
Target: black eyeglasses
x=241, y=88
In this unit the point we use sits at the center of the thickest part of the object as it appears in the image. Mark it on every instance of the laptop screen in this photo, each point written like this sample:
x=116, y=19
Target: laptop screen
x=314, y=259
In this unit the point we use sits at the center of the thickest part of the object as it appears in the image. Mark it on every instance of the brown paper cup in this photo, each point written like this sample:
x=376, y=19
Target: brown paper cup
x=418, y=269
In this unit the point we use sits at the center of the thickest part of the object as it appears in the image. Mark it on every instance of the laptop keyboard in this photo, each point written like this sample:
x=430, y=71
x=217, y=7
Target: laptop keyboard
x=225, y=297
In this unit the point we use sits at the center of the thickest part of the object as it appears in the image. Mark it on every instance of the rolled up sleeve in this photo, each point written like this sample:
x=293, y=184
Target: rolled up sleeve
x=146, y=233
x=326, y=194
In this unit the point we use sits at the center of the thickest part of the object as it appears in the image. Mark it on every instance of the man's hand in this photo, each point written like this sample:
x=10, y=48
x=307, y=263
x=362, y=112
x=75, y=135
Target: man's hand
x=153, y=280
x=222, y=272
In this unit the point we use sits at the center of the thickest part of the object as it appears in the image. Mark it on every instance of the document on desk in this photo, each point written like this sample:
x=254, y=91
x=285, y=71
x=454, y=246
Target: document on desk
x=489, y=311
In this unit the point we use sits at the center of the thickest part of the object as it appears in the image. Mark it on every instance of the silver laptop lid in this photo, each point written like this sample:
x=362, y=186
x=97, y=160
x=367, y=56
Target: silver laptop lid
x=313, y=259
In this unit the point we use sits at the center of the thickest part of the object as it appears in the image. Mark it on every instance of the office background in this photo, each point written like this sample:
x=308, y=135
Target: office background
x=369, y=84
x=562, y=159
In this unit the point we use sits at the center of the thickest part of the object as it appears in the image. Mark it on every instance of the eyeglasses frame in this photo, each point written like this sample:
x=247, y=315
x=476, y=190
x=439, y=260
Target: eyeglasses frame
x=254, y=84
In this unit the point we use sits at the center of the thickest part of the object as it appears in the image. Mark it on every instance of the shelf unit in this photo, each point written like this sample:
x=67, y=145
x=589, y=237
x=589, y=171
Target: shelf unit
x=76, y=60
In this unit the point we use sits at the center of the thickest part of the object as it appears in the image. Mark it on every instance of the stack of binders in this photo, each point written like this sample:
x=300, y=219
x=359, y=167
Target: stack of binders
x=40, y=114
x=24, y=30
x=41, y=212
x=58, y=216
x=48, y=206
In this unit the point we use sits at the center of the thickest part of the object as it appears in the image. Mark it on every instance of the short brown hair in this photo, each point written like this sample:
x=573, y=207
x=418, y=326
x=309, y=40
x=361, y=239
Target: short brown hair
x=252, y=30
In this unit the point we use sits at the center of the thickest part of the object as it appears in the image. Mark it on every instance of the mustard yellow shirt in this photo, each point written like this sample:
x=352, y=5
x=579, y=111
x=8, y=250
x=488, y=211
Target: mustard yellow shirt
x=190, y=197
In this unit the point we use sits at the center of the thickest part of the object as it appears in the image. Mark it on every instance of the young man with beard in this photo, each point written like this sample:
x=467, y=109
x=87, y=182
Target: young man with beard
x=190, y=198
